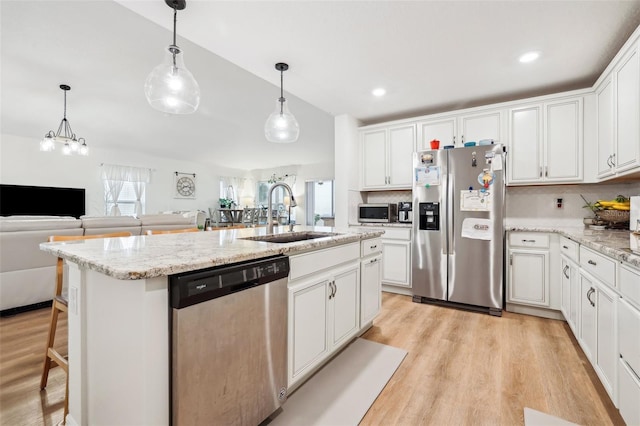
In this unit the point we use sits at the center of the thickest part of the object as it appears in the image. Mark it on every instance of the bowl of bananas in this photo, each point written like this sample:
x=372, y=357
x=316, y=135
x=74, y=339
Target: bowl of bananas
x=613, y=211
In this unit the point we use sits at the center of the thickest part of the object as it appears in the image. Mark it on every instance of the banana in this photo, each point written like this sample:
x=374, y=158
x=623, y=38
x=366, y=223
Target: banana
x=622, y=207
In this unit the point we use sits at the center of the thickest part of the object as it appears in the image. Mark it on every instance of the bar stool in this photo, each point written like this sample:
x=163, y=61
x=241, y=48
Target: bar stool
x=60, y=304
x=170, y=231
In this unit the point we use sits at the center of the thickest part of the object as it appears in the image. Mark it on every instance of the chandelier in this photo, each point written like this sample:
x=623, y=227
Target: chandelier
x=64, y=135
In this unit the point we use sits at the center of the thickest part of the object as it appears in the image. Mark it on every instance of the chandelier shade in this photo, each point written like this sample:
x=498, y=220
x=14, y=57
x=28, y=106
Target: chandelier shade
x=65, y=136
x=281, y=126
x=170, y=87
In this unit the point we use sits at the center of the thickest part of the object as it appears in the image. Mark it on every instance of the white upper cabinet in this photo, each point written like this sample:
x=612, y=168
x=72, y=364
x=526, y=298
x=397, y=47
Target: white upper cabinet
x=546, y=142
x=443, y=130
x=457, y=130
x=386, y=154
x=619, y=117
x=479, y=126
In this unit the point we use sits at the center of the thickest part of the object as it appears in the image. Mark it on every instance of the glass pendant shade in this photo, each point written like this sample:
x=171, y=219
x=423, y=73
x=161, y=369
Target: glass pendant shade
x=48, y=144
x=281, y=126
x=170, y=87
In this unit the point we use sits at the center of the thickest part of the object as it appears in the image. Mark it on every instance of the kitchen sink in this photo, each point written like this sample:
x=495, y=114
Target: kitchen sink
x=290, y=237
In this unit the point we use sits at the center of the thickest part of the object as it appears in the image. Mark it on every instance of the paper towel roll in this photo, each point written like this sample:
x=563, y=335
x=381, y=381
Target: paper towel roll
x=635, y=212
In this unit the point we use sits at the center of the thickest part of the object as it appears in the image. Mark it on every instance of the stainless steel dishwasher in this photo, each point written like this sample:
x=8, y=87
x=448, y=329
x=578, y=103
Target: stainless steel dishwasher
x=229, y=343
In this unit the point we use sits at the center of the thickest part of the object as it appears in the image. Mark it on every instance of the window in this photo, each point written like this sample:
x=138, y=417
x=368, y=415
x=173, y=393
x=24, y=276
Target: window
x=126, y=200
x=320, y=201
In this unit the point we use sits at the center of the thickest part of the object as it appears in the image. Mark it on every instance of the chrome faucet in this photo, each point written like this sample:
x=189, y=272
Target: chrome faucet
x=292, y=203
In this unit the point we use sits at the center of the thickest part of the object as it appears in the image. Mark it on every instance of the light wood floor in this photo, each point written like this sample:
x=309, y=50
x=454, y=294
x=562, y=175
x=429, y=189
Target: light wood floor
x=462, y=368
x=22, y=344
x=465, y=368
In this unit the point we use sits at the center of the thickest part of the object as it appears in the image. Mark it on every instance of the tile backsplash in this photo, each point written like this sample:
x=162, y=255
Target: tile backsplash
x=387, y=196
x=539, y=202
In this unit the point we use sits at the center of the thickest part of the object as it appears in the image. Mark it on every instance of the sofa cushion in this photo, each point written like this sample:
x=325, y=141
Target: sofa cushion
x=109, y=221
x=11, y=224
x=166, y=219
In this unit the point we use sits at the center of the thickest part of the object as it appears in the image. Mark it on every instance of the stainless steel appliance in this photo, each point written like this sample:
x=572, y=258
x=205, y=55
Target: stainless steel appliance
x=405, y=212
x=378, y=213
x=458, y=251
x=229, y=343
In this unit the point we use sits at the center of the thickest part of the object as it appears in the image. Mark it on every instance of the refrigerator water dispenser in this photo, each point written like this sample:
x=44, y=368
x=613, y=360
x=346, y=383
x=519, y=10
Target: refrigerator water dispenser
x=429, y=216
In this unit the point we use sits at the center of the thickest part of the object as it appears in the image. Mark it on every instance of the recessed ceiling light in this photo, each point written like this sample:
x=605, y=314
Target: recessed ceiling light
x=379, y=92
x=529, y=57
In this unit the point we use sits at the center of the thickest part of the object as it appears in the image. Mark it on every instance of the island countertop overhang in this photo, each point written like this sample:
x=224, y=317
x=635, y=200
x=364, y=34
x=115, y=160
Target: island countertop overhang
x=141, y=257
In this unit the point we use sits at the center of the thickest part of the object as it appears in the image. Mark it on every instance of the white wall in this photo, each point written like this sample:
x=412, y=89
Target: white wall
x=22, y=163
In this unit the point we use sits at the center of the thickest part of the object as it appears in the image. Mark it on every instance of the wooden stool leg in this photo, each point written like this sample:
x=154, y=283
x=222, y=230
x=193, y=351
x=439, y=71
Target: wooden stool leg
x=52, y=335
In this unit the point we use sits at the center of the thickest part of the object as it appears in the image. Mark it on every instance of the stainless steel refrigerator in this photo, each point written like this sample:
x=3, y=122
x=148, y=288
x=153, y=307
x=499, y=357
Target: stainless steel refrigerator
x=458, y=206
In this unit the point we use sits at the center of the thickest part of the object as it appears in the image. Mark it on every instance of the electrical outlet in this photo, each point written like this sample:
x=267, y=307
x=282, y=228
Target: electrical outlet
x=559, y=203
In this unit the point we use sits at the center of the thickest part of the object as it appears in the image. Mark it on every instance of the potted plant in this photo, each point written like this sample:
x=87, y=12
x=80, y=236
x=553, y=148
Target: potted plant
x=225, y=203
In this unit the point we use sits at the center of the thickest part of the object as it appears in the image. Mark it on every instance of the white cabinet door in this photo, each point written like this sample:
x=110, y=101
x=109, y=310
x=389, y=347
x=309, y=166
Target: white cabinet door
x=308, y=333
x=525, y=144
x=443, y=130
x=370, y=289
x=396, y=263
x=588, y=328
x=529, y=277
x=563, y=127
x=607, y=342
x=402, y=143
x=345, y=309
x=485, y=125
x=374, y=161
x=604, y=96
x=565, y=289
x=627, y=155
x=574, y=310
x=629, y=394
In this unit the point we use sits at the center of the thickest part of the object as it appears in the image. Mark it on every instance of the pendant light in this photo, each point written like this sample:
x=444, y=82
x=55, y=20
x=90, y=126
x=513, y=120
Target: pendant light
x=170, y=87
x=281, y=126
x=64, y=135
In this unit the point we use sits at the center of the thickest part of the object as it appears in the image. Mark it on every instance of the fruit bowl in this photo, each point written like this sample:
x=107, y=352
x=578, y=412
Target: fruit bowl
x=613, y=216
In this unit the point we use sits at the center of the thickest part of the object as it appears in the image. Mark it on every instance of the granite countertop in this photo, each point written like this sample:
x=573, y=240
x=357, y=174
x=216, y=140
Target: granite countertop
x=612, y=243
x=383, y=224
x=139, y=257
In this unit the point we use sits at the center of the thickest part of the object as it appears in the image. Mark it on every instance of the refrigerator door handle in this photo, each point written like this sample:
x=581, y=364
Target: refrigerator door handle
x=449, y=212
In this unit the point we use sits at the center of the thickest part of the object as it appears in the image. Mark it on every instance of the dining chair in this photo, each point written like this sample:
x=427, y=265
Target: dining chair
x=60, y=304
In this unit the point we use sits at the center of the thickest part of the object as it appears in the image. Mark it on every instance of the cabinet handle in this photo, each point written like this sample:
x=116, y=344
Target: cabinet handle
x=609, y=161
x=454, y=140
x=331, y=290
x=591, y=262
x=613, y=160
x=462, y=140
x=564, y=271
x=335, y=289
x=528, y=241
x=589, y=293
x=565, y=247
x=372, y=247
x=546, y=171
x=373, y=260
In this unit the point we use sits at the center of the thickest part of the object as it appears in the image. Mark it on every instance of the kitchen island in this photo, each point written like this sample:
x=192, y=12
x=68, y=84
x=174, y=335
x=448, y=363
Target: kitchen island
x=118, y=312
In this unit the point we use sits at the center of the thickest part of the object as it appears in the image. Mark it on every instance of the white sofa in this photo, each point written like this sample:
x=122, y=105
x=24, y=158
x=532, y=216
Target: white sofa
x=27, y=274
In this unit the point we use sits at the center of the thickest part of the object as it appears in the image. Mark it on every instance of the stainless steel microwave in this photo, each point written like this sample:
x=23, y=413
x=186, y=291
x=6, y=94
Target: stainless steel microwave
x=378, y=213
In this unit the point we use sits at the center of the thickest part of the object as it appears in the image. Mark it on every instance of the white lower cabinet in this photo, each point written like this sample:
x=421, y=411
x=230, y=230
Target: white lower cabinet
x=607, y=343
x=324, y=313
x=587, y=332
x=529, y=277
x=396, y=263
x=370, y=284
x=569, y=292
x=629, y=394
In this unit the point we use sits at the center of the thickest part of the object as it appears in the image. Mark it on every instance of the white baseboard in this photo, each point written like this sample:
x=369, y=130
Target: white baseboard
x=535, y=311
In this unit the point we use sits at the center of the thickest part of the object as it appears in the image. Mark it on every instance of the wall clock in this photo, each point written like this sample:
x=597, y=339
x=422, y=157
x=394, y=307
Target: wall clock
x=185, y=185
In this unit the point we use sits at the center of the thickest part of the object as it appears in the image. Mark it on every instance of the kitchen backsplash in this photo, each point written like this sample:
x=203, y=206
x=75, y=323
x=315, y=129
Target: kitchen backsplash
x=538, y=203
x=386, y=196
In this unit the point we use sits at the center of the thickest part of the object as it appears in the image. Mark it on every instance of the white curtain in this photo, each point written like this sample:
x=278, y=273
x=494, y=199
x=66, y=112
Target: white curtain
x=115, y=176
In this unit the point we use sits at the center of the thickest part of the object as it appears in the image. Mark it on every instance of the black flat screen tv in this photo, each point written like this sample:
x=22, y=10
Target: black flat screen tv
x=41, y=201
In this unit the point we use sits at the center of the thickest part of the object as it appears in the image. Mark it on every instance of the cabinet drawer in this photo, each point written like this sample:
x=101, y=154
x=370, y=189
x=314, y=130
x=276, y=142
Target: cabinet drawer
x=528, y=239
x=367, y=247
x=396, y=234
x=628, y=341
x=628, y=394
x=308, y=263
x=629, y=284
x=601, y=267
x=569, y=248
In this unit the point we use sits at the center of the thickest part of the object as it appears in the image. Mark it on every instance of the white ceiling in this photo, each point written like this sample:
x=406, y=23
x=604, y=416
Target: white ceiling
x=431, y=56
